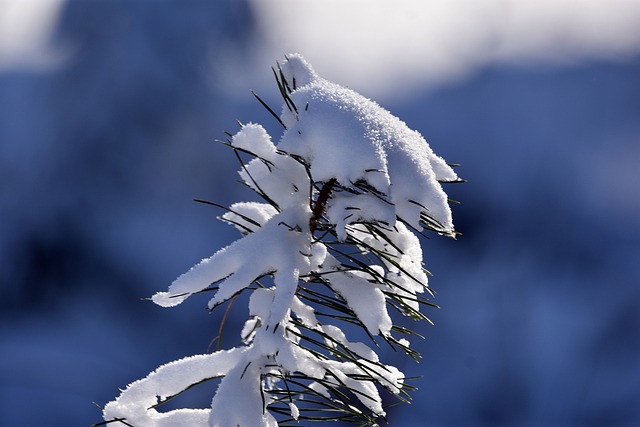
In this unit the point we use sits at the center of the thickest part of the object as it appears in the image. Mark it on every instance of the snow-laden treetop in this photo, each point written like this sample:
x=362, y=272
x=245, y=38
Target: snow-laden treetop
x=345, y=136
x=345, y=191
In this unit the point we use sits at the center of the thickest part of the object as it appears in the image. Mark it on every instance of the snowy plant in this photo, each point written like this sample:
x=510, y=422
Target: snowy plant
x=330, y=251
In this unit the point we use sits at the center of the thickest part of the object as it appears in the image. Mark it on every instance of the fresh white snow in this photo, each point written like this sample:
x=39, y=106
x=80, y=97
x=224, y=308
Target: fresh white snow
x=375, y=170
x=346, y=136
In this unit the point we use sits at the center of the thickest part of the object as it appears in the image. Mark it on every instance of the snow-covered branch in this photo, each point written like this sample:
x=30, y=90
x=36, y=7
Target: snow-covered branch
x=344, y=193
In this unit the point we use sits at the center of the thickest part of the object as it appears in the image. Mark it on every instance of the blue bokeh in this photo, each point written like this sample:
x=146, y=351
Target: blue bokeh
x=101, y=158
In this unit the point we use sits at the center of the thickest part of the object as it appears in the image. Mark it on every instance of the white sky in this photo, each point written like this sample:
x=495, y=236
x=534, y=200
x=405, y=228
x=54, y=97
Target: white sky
x=25, y=30
x=381, y=46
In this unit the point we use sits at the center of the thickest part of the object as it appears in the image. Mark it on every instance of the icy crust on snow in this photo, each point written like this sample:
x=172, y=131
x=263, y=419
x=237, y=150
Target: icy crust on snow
x=346, y=136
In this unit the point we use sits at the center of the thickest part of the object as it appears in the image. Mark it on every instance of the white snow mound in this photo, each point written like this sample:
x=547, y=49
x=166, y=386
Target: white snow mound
x=345, y=136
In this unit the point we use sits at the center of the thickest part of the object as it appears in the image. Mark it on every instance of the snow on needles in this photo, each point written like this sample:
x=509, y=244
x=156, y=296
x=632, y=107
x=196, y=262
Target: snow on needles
x=346, y=136
x=345, y=172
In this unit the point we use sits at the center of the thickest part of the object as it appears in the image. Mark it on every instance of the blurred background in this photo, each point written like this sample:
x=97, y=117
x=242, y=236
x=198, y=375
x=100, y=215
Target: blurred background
x=108, y=115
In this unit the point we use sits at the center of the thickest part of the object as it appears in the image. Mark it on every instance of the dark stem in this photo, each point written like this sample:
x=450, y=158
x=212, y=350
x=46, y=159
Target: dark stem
x=318, y=207
x=222, y=323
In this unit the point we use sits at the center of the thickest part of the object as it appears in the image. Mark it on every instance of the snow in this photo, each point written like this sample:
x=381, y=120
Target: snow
x=133, y=404
x=304, y=312
x=255, y=139
x=249, y=216
x=239, y=401
x=358, y=348
x=382, y=175
x=406, y=273
x=346, y=136
x=366, y=300
x=277, y=175
x=236, y=267
x=345, y=209
x=366, y=392
x=295, y=412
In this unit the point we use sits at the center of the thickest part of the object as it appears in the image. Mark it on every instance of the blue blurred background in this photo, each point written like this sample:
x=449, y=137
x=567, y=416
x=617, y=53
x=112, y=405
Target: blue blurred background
x=108, y=113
